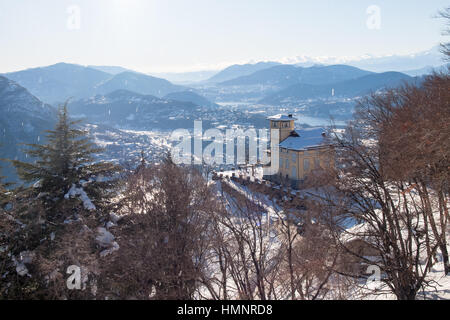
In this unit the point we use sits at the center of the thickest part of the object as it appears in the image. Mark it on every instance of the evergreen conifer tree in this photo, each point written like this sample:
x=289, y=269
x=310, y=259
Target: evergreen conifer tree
x=67, y=161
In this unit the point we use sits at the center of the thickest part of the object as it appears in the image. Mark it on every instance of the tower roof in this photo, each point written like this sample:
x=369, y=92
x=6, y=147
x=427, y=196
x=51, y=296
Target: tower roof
x=281, y=117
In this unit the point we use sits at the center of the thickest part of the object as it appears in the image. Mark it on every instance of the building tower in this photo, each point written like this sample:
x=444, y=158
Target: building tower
x=284, y=124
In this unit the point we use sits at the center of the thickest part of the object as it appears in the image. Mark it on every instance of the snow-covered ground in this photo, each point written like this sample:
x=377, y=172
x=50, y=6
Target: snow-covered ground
x=440, y=283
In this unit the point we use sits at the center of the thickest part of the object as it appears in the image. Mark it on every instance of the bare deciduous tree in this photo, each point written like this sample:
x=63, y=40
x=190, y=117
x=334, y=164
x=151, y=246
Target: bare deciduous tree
x=388, y=159
x=164, y=235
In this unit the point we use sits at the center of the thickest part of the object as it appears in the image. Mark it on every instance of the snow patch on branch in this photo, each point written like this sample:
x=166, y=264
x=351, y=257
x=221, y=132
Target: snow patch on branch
x=25, y=257
x=74, y=192
x=106, y=240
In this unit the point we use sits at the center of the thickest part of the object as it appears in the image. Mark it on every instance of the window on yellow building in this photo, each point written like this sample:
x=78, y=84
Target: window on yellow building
x=306, y=165
x=316, y=163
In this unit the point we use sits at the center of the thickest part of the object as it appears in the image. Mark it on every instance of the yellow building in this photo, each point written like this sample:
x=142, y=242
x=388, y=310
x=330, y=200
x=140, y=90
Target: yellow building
x=301, y=151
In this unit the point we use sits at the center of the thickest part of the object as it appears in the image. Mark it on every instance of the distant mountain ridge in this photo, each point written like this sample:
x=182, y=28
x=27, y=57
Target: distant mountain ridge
x=432, y=57
x=139, y=83
x=59, y=82
x=427, y=70
x=377, y=63
x=131, y=111
x=125, y=108
x=344, y=89
x=190, y=96
x=236, y=71
x=284, y=76
x=185, y=78
x=114, y=70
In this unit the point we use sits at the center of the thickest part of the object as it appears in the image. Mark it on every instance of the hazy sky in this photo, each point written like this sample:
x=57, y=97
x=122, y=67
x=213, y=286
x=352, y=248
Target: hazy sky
x=184, y=35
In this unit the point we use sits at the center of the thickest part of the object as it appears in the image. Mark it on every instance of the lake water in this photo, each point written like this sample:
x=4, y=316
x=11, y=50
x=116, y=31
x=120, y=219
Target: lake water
x=314, y=122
